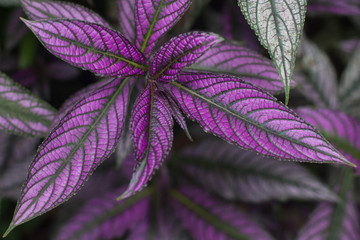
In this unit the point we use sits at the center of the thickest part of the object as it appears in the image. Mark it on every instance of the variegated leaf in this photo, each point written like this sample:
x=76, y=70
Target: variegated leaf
x=339, y=128
x=349, y=89
x=233, y=59
x=320, y=82
x=180, y=52
x=86, y=136
x=153, y=18
x=106, y=218
x=243, y=114
x=46, y=9
x=207, y=218
x=151, y=125
x=236, y=174
x=89, y=46
x=21, y=112
x=126, y=15
x=278, y=25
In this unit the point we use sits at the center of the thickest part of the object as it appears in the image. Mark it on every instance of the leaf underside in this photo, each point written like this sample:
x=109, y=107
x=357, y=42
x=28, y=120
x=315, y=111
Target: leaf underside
x=278, y=25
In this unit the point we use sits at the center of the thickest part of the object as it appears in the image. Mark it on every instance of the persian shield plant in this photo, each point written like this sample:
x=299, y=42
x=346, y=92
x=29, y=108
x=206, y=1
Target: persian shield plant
x=147, y=81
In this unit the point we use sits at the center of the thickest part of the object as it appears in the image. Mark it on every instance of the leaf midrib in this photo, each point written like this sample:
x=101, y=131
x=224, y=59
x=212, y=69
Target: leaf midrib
x=92, y=49
x=231, y=72
x=225, y=167
x=151, y=27
x=207, y=216
x=116, y=210
x=236, y=115
x=73, y=151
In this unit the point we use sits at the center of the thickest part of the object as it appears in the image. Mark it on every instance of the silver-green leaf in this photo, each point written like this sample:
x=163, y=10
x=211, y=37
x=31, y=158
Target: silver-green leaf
x=278, y=25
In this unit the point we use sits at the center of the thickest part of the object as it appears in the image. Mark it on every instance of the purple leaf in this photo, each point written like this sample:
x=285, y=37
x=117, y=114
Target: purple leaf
x=230, y=58
x=153, y=18
x=241, y=113
x=21, y=112
x=320, y=82
x=339, y=128
x=89, y=46
x=339, y=7
x=334, y=220
x=207, y=218
x=86, y=136
x=179, y=52
x=236, y=174
x=178, y=116
x=43, y=9
x=126, y=15
x=151, y=125
x=107, y=218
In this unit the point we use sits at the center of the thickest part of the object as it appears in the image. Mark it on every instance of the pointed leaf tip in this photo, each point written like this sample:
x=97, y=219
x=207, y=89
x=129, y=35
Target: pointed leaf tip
x=180, y=52
x=240, y=113
x=151, y=126
x=63, y=163
x=278, y=25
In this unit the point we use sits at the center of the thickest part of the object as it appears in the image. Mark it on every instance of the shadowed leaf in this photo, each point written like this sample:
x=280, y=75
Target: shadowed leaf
x=107, y=218
x=332, y=221
x=207, y=218
x=340, y=7
x=21, y=112
x=320, y=82
x=349, y=89
x=236, y=174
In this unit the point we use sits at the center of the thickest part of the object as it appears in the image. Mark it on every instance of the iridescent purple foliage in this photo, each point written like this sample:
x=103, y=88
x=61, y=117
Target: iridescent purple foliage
x=147, y=84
